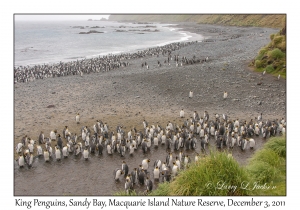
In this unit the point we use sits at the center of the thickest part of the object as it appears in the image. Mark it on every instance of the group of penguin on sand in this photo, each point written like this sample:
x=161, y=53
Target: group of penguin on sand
x=175, y=137
x=227, y=134
x=162, y=172
x=25, y=74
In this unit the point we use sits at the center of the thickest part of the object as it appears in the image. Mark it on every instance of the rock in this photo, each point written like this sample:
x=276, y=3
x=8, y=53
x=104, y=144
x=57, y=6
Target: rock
x=50, y=106
x=91, y=32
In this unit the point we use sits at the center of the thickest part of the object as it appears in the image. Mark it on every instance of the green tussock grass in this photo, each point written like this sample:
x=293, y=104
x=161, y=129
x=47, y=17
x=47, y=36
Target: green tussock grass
x=276, y=54
x=163, y=189
x=272, y=58
x=268, y=167
x=278, y=145
x=209, y=175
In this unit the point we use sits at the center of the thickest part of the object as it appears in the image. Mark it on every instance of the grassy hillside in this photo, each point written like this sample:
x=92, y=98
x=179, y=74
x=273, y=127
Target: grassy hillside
x=272, y=58
x=220, y=174
x=259, y=20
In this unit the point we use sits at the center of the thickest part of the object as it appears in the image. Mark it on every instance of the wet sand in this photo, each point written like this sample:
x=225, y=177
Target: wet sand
x=129, y=95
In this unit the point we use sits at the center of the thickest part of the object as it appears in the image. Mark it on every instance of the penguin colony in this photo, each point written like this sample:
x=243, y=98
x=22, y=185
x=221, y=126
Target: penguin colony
x=96, y=65
x=224, y=132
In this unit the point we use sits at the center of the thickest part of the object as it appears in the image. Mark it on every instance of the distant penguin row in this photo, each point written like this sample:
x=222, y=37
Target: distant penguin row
x=178, y=62
x=24, y=74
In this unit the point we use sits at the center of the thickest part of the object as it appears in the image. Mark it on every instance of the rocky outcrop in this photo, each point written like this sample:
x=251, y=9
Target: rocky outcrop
x=91, y=32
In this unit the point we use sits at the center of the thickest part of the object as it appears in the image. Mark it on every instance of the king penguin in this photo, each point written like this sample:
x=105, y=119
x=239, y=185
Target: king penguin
x=21, y=161
x=57, y=153
x=77, y=118
x=134, y=176
x=128, y=185
x=53, y=135
x=141, y=177
x=157, y=163
x=145, y=164
x=46, y=155
x=117, y=173
x=39, y=150
x=191, y=94
x=156, y=173
x=149, y=184
x=30, y=160
x=131, y=149
x=225, y=95
x=86, y=153
x=181, y=113
x=125, y=168
x=19, y=147
x=174, y=169
x=65, y=151
x=251, y=143
x=169, y=159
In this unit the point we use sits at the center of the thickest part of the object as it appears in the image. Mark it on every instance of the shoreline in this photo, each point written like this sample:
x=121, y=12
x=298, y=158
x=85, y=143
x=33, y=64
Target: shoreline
x=89, y=57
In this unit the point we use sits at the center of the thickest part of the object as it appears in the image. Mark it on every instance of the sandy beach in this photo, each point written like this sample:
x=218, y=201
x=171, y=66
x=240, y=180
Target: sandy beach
x=128, y=95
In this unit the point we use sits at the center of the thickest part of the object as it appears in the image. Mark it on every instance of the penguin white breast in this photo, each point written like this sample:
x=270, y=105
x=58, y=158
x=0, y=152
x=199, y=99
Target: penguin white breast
x=178, y=163
x=46, y=155
x=181, y=113
x=21, y=161
x=156, y=174
x=57, y=153
x=158, y=164
x=155, y=141
x=52, y=135
x=186, y=160
x=85, y=153
x=252, y=142
x=145, y=164
x=174, y=170
x=65, y=150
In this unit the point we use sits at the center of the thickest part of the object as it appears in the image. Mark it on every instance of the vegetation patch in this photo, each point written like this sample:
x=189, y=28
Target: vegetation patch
x=268, y=168
x=272, y=58
x=216, y=174
x=276, y=54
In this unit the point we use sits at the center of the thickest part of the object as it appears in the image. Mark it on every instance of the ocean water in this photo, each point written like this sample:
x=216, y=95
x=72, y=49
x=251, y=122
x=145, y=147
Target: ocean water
x=39, y=42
